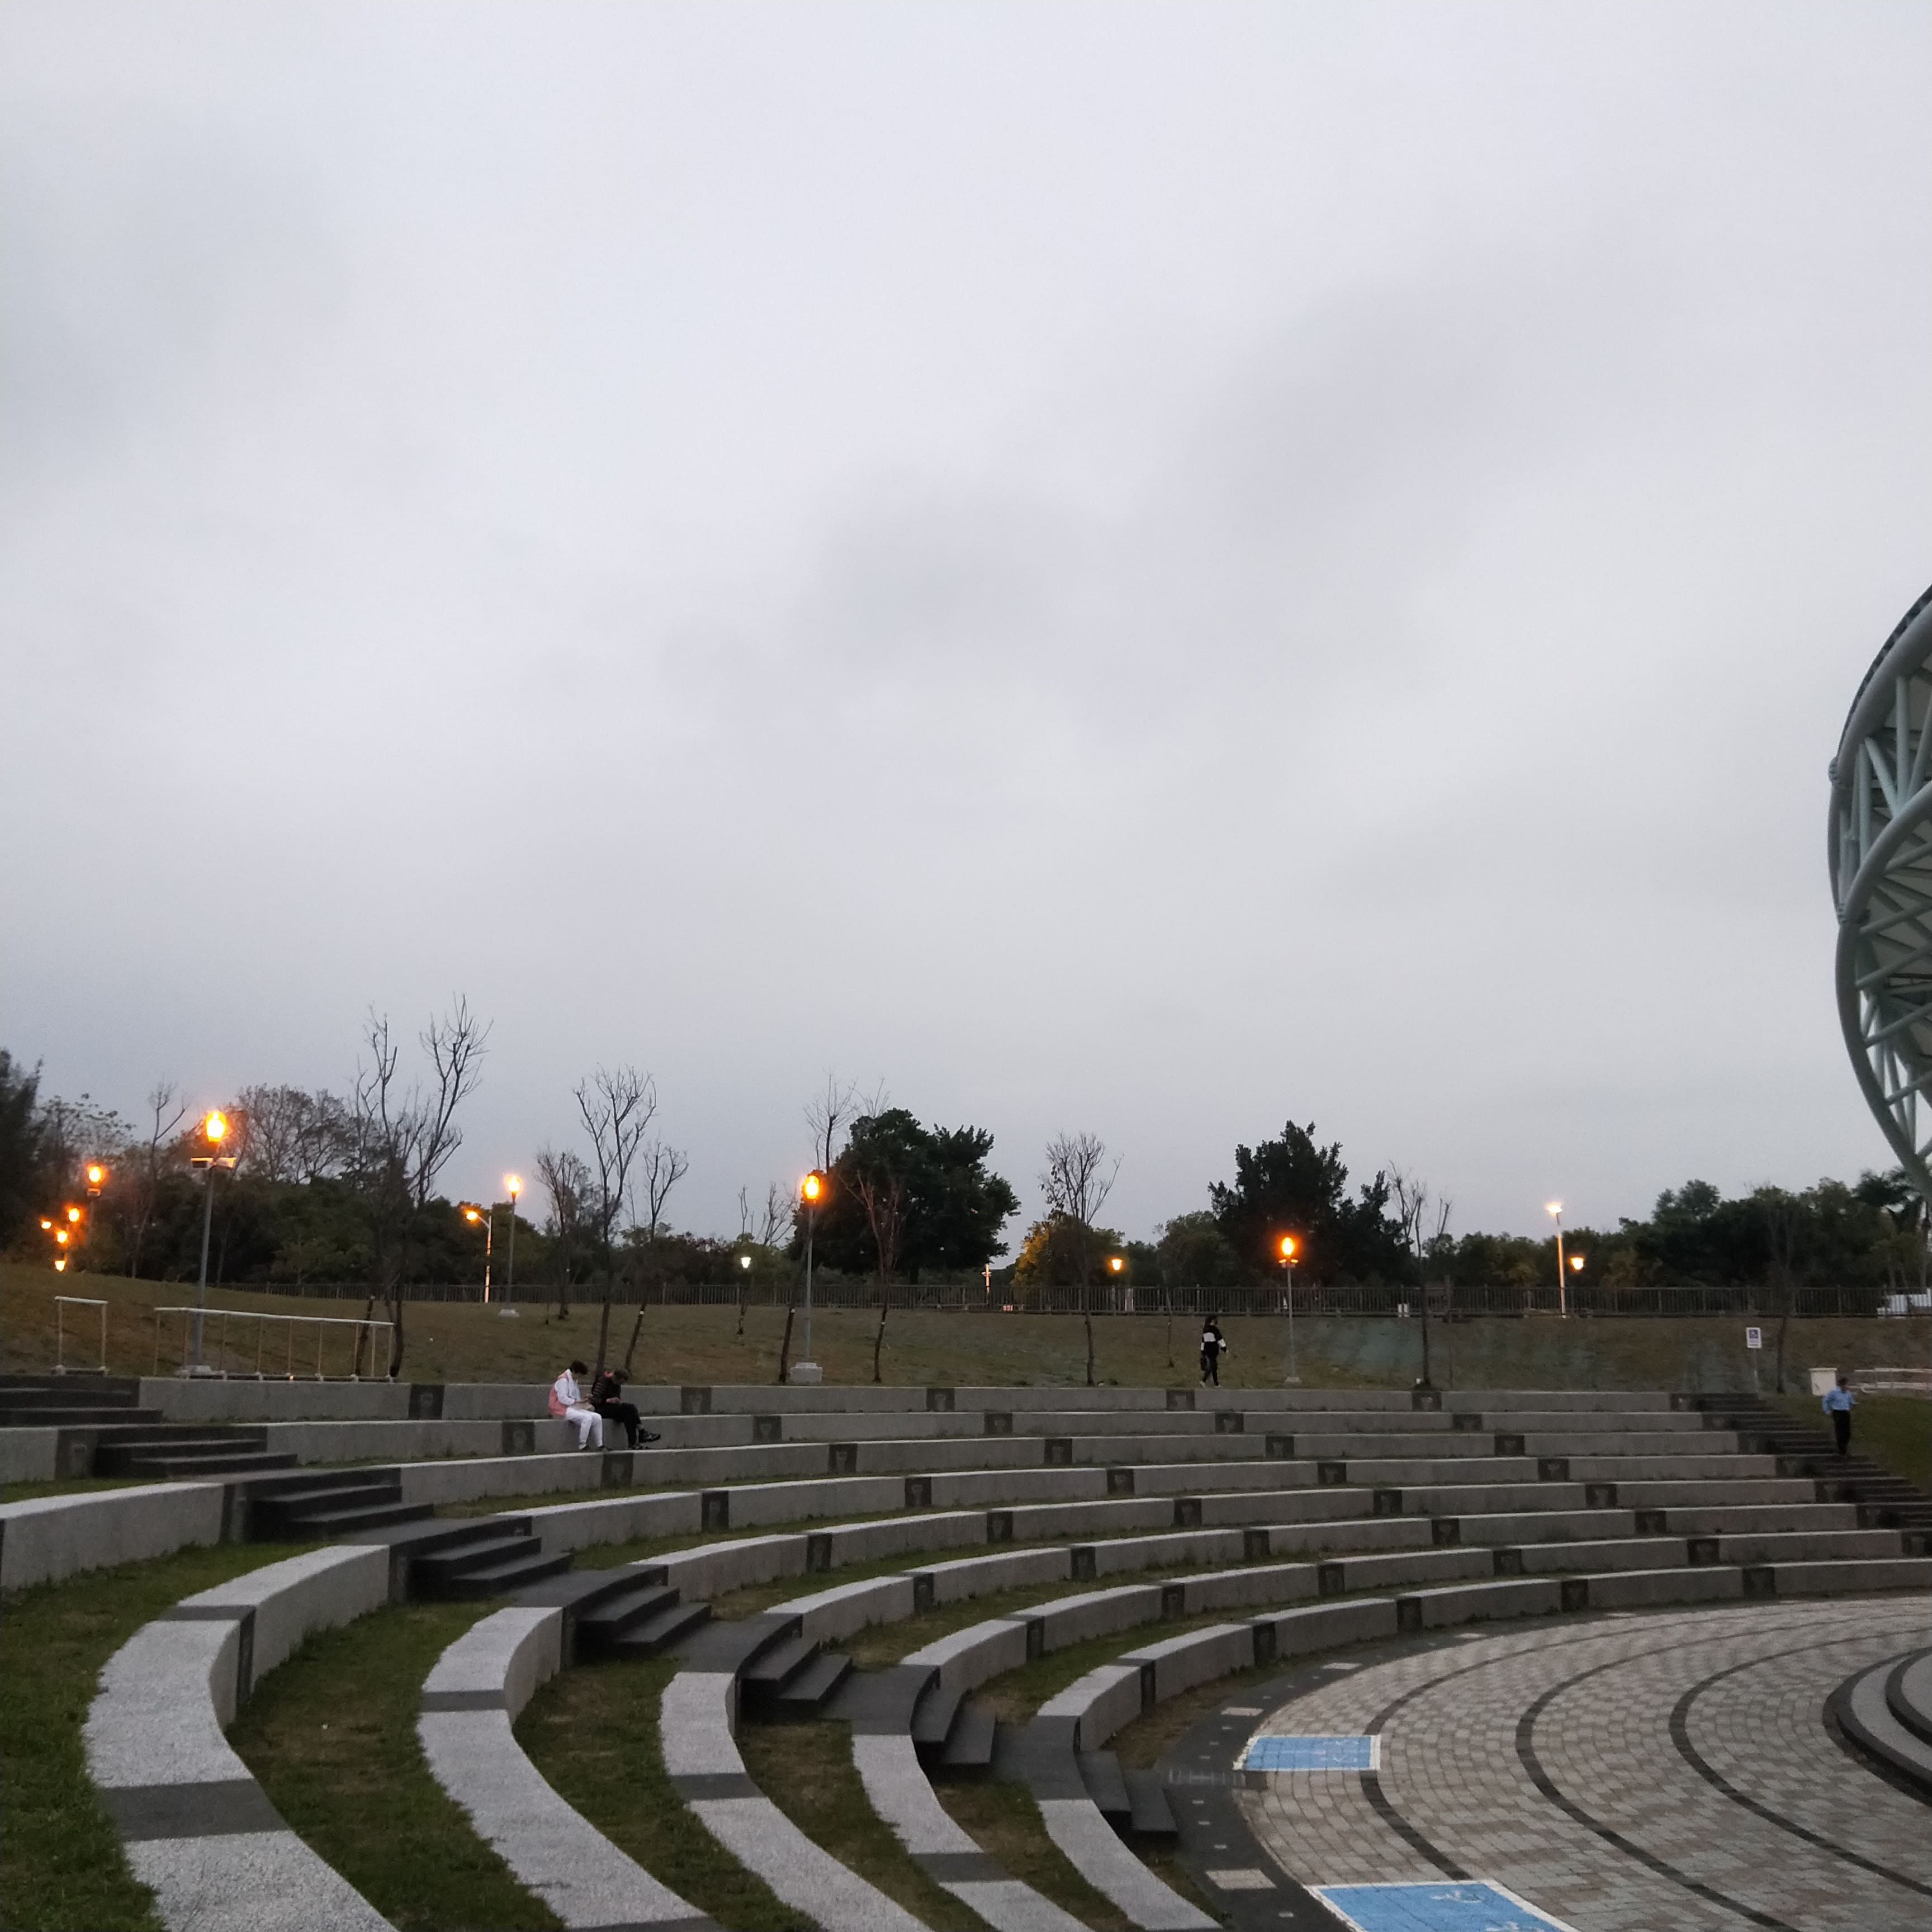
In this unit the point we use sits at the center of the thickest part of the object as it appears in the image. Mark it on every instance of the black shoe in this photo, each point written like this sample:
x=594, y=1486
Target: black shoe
x=647, y=1436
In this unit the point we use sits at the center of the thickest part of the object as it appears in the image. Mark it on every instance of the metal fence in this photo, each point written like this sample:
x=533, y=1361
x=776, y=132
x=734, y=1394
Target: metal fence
x=974, y=1298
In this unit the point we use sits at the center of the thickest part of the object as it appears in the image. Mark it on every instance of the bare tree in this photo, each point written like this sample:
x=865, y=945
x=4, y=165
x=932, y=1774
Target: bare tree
x=167, y=1112
x=566, y=1179
x=1783, y=1219
x=1076, y=1184
x=880, y=1190
x=824, y=1115
x=836, y=1107
x=292, y=1136
x=1416, y=1208
x=775, y=1223
x=616, y=1105
x=662, y=1168
x=404, y=1139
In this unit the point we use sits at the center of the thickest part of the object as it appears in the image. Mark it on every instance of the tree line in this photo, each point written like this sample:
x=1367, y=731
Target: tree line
x=345, y=1187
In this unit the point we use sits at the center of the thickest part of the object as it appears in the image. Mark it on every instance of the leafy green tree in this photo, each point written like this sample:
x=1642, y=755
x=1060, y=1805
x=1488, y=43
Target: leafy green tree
x=1191, y=1252
x=1293, y=1185
x=22, y=1149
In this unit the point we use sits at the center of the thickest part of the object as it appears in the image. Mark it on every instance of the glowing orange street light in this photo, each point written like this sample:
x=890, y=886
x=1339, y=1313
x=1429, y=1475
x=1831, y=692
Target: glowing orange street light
x=74, y=1214
x=97, y=1177
x=472, y=1214
x=811, y=1190
x=513, y=1184
x=1576, y=1264
x=1116, y=1264
x=214, y=1132
x=1287, y=1245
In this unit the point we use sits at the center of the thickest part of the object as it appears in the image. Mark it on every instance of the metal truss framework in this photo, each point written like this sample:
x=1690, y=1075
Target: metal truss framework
x=1881, y=860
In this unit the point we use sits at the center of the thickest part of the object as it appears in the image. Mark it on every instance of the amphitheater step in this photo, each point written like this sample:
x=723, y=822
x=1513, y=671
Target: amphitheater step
x=1908, y=1695
x=601, y=1627
x=174, y=1467
x=969, y=1744
x=1100, y=1772
x=773, y=1673
x=69, y=1413
x=1150, y=1816
x=659, y=1632
x=489, y=1567
x=808, y=1692
x=1864, y=1711
x=933, y=1719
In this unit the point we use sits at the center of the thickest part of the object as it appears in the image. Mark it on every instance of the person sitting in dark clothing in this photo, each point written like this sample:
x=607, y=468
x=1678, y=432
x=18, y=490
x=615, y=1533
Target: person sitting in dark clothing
x=607, y=1398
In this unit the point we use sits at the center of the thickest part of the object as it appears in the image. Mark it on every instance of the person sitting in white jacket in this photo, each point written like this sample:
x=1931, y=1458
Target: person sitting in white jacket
x=566, y=1400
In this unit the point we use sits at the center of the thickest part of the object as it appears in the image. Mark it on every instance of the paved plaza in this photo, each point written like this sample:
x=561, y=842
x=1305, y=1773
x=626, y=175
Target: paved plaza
x=1643, y=1773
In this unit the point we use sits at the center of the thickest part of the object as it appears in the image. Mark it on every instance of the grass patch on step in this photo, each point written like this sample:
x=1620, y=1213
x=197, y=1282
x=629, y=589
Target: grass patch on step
x=806, y=1770
x=61, y=1868
x=74, y=1486
x=1004, y=1821
x=332, y=1736
x=592, y=1733
x=1895, y=1431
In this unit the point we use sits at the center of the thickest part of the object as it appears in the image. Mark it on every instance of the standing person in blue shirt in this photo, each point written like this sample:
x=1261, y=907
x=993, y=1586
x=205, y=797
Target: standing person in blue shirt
x=1838, y=1407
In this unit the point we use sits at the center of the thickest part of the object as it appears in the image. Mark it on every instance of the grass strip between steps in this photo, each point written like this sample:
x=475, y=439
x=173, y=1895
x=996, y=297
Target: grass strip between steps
x=61, y=1868
x=592, y=1733
x=1003, y=1820
x=806, y=1770
x=331, y=1737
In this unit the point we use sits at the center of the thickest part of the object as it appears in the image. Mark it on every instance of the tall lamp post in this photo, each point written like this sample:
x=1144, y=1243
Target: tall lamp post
x=513, y=1184
x=214, y=1132
x=811, y=1191
x=1291, y=1379
x=1555, y=1208
x=472, y=1214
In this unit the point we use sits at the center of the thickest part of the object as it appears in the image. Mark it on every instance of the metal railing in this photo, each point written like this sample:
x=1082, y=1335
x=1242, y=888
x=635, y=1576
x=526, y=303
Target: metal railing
x=61, y=1304
x=970, y=1297
x=218, y=1319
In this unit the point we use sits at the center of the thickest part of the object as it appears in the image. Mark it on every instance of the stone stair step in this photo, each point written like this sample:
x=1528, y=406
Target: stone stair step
x=969, y=1744
x=659, y=1632
x=498, y=1579
x=1100, y=1772
x=1151, y=1815
x=814, y=1684
x=1908, y=1695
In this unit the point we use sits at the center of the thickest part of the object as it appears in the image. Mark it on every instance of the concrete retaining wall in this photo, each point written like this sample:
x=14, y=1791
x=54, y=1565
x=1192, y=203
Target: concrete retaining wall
x=48, y=1538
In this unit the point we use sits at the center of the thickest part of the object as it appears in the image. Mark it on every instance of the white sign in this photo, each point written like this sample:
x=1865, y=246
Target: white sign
x=1754, y=1338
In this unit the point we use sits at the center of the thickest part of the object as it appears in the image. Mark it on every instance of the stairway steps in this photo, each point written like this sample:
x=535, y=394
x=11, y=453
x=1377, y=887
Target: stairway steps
x=611, y=1619
x=933, y=1718
x=498, y=1579
x=814, y=1684
x=71, y=1414
x=780, y=1665
x=1150, y=1814
x=173, y=1467
x=658, y=1633
x=1100, y=1772
x=969, y=1744
x=329, y=1525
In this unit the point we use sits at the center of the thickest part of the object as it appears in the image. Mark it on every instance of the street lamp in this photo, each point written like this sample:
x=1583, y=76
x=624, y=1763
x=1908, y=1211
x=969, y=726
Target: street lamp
x=1555, y=1210
x=1291, y=1379
x=214, y=1131
x=513, y=1184
x=96, y=1177
x=472, y=1214
x=811, y=1191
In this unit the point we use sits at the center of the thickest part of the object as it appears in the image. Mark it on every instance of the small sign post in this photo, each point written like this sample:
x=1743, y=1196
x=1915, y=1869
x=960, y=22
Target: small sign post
x=1753, y=1341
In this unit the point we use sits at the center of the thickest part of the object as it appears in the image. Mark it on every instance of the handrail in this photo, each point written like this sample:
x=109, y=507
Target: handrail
x=319, y=1322
x=60, y=1333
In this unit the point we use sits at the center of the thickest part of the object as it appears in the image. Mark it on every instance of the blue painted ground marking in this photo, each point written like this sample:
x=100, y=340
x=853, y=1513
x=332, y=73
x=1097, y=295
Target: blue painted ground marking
x=1476, y=1905
x=1313, y=1754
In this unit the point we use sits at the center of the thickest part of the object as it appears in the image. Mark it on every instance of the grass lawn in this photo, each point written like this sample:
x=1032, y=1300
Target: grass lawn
x=60, y=1865
x=806, y=1770
x=463, y=1342
x=593, y=1733
x=1895, y=1430
x=332, y=1736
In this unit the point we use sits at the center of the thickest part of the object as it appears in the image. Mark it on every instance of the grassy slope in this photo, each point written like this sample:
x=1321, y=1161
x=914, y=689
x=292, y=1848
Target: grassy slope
x=332, y=1736
x=455, y=1341
x=60, y=1865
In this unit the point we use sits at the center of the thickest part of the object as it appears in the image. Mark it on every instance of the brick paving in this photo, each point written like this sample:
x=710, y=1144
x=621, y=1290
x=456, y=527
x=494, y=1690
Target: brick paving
x=1653, y=1773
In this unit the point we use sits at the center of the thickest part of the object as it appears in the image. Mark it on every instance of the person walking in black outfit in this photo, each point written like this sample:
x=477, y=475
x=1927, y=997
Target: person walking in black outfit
x=1838, y=1406
x=1214, y=1346
x=607, y=1397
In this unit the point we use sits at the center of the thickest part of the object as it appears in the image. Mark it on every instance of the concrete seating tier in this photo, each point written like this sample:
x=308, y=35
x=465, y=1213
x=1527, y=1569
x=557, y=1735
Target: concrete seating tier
x=194, y=1824
x=1887, y=1711
x=1494, y=1504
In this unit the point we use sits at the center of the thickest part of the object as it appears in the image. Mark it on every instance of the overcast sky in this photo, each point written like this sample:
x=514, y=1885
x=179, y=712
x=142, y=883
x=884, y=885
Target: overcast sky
x=1144, y=568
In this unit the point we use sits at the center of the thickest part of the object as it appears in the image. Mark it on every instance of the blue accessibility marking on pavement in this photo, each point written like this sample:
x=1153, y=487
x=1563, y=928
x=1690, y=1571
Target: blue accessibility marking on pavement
x=1358, y=1754
x=1475, y=1905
